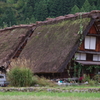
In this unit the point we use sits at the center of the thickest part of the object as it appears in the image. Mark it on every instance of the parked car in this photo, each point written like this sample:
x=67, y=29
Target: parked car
x=3, y=80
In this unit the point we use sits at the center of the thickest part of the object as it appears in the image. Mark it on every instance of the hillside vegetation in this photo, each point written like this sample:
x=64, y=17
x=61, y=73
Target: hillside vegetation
x=28, y=11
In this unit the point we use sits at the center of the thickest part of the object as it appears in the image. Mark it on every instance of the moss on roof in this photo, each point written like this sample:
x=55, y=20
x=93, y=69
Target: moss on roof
x=50, y=44
x=9, y=39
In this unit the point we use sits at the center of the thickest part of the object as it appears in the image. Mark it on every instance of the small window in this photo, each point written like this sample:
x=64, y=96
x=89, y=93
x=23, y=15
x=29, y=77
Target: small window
x=77, y=56
x=1, y=76
x=80, y=56
x=90, y=42
x=89, y=57
x=96, y=57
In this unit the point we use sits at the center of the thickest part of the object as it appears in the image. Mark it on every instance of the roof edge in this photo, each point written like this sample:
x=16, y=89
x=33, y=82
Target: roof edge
x=93, y=14
x=18, y=26
x=72, y=52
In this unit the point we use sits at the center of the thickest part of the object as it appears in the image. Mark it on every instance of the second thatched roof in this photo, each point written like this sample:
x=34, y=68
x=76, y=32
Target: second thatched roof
x=54, y=43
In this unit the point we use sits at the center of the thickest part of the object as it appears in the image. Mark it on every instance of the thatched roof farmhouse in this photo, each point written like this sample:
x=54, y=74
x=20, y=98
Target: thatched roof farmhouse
x=51, y=44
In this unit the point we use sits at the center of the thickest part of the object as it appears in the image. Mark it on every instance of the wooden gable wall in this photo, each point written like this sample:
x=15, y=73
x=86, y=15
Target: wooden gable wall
x=92, y=30
x=94, y=33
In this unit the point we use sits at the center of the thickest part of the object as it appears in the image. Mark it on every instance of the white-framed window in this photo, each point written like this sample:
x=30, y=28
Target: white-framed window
x=80, y=56
x=90, y=42
x=96, y=57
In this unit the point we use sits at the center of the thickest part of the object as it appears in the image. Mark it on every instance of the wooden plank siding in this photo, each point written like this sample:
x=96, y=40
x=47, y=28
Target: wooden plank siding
x=92, y=32
x=82, y=46
x=98, y=44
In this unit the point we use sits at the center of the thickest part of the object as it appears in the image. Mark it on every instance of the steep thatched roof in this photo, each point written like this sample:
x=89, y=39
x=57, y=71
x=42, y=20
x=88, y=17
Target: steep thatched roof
x=9, y=39
x=52, y=44
x=55, y=41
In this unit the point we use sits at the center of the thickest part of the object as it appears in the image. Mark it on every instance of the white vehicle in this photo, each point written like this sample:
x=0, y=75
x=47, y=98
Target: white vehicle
x=3, y=80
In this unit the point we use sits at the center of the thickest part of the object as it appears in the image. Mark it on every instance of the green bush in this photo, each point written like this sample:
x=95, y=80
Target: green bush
x=92, y=83
x=20, y=77
x=97, y=78
x=42, y=81
x=86, y=78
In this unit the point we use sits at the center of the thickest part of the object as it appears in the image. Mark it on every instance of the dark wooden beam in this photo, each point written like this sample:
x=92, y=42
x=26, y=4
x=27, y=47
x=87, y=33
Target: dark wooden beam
x=90, y=52
x=97, y=35
x=96, y=26
x=89, y=62
x=97, y=22
x=98, y=32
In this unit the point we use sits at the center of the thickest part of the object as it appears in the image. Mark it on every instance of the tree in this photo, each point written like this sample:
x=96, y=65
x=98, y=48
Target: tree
x=31, y=3
x=40, y=10
x=10, y=1
x=98, y=4
x=75, y=9
x=60, y=7
x=79, y=3
x=86, y=6
x=32, y=20
x=52, y=8
x=3, y=0
x=82, y=10
x=8, y=17
x=25, y=11
x=68, y=4
x=93, y=7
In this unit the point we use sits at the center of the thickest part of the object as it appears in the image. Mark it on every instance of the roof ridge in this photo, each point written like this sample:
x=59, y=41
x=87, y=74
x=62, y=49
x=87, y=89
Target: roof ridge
x=93, y=14
x=17, y=26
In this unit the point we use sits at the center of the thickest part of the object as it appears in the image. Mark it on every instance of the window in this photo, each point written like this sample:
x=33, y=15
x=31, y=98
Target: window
x=80, y=56
x=90, y=42
x=89, y=57
x=1, y=76
x=96, y=57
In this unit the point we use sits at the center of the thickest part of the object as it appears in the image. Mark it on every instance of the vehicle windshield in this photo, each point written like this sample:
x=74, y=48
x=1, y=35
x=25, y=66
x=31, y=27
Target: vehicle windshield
x=1, y=76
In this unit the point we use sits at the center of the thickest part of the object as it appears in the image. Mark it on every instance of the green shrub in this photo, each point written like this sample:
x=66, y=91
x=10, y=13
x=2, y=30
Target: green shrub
x=20, y=77
x=42, y=81
x=86, y=78
x=92, y=82
x=97, y=78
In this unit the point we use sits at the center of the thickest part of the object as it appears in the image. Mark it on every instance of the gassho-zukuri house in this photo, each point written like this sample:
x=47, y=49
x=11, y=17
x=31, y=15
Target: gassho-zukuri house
x=55, y=46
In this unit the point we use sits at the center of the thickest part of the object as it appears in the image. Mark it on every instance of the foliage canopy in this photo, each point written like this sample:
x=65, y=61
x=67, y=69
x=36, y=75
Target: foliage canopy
x=28, y=11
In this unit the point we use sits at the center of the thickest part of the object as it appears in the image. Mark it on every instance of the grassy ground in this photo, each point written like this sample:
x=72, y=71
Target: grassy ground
x=77, y=87
x=48, y=96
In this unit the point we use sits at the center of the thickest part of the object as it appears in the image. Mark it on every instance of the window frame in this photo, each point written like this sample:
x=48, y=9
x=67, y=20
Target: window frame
x=98, y=57
x=80, y=56
x=88, y=44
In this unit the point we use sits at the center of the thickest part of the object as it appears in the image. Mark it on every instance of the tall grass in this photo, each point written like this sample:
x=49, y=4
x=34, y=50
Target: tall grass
x=20, y=75
x=42, y=81
x=20, y=63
